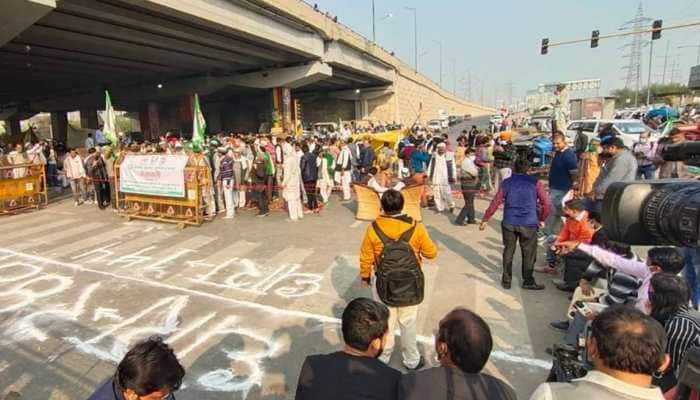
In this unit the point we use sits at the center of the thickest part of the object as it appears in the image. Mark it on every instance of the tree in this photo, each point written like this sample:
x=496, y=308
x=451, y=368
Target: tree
x=660, y=93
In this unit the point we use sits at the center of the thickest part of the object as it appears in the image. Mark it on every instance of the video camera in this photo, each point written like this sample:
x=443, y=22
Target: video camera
x=659, y=212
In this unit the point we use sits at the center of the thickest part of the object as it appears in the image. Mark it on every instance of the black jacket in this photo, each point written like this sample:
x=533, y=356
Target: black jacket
x=309, y=169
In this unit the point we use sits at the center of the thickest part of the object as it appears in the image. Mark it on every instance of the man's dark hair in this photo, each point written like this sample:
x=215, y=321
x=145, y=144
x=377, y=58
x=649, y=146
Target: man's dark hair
x=628, y=340
x=305, y=148
x=674, y=132
x=89, y=134
x=614, y=142
x=363, y=321
x=468, y=339
x=149, y=366
x=373, y=171
x=669, y=259
x=92, y=150
x=522, y=165
x=668, y=294
x=575, y=204
x=558, y=135
x=468, y=151
x=594, y=216
x=392, y=202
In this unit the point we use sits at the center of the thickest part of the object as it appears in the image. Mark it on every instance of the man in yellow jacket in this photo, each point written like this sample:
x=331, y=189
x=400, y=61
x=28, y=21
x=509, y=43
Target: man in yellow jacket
x=394, y=225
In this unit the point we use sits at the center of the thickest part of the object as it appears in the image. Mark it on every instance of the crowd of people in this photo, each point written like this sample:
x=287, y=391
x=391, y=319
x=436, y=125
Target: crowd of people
x=634, y=319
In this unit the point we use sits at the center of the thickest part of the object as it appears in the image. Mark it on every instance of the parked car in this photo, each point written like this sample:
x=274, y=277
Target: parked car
x=627, y=129
x=496, y=119
x=435, y=125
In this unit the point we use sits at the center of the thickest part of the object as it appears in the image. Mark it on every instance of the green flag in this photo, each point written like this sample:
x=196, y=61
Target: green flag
x=110, y=121
x=199, y=125
x=667, y=127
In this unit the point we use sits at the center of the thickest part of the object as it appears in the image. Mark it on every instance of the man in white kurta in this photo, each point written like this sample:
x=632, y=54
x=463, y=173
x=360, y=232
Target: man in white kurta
x=291, y=184
x=325, y=181
x=440, y=172
x=343, y=166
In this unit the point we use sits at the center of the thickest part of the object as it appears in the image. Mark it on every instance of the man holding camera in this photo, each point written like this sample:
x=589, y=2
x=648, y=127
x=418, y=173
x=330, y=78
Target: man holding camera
x=626, y=348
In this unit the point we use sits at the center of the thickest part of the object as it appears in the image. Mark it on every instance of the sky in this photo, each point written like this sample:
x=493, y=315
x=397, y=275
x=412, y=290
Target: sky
x=498, y=42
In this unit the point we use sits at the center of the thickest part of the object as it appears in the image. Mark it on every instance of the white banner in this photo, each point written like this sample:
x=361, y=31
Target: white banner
x=155, y=175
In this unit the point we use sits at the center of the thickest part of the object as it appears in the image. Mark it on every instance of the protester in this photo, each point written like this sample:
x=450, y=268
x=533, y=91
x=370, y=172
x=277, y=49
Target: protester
x=149, y=370
x=463, y=345
x=668, y=303
x=343, y=167
x=89, y=142
x=563, y=176
x=526, y=207
x=241, y=171
x=622, y=166
x=259, y=180
x=18, y=157
x=75, y=173
x=291, y=185
x=470, y=185
x=410, y=241
x=644, y=150
x=96, y=171
x=504, y=156
x=483, y=161
x=441, y=173
x=227, y=182
x=419, y=158
x=367, y=157
x=580, y=143
x=355, y=372
x=626, y=348
x=309, y=176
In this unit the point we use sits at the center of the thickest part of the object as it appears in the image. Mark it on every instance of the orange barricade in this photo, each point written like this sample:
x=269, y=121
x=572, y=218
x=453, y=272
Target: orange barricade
x=187, y=210
x=22, y=187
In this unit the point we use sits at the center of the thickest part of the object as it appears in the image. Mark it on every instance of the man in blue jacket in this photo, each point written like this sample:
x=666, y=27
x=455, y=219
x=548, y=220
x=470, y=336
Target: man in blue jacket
x=526, y=207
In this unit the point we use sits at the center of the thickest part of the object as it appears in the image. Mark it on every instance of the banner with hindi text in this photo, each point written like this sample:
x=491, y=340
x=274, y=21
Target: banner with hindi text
x=153, y=175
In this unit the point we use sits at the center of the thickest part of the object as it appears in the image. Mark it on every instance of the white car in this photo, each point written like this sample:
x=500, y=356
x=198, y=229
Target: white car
x=435, y=125
x=627, y=129
x=496, y=119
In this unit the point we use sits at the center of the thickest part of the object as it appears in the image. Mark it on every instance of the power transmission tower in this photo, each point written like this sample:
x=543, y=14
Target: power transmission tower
x=676, y=70
x=633, y=51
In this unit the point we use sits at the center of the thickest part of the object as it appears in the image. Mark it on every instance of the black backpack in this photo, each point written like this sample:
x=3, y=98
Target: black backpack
x=400, y=281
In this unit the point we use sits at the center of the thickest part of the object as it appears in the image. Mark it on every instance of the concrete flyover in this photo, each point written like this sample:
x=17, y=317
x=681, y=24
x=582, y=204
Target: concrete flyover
x=246, y=58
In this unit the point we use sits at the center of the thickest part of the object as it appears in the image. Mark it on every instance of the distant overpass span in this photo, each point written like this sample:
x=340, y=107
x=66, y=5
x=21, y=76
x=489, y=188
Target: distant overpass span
x=246, y=58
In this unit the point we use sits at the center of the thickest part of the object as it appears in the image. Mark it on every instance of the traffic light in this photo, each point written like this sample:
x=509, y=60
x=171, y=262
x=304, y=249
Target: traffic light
x=594, y=39
x=656, y=32
x=545, y=46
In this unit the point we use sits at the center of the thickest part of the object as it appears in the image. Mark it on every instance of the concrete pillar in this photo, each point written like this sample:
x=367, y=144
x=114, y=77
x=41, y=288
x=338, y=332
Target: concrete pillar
x=88, y=119
x=59, y=126
x=361, y=109
x=150, y=121
x=185, y=114
x=13, y=126
x=282, y=107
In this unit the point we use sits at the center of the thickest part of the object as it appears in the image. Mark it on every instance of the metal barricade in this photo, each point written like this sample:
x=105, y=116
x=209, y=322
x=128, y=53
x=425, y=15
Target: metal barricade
x=193, y=209
x=22, y=187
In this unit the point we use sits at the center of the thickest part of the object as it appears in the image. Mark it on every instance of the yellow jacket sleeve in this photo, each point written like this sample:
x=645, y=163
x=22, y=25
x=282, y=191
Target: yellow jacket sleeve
x=423, y=244
x=367, y=253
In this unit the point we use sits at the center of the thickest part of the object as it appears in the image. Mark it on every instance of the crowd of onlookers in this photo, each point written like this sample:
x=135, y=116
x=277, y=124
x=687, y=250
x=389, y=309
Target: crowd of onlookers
x=632, y=321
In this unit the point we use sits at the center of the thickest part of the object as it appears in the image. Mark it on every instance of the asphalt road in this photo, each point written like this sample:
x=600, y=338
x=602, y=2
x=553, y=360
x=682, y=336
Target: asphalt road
x=242, y=302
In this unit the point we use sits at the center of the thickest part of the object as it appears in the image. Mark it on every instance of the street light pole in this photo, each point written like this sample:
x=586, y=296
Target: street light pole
x=440, y=44
x=415, y=35
x=374, y=25
x=651, y=59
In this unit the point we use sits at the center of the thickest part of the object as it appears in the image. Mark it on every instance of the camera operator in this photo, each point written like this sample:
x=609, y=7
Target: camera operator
x=621, y=166
x=626, y=348
x=668, y=300
x=671, y=169
x=659, y=259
